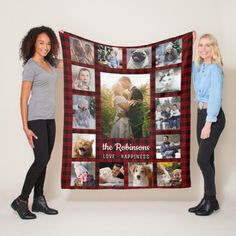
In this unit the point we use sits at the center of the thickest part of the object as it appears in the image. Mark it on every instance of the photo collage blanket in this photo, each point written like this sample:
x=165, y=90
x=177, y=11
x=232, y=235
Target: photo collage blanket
x=126, y=114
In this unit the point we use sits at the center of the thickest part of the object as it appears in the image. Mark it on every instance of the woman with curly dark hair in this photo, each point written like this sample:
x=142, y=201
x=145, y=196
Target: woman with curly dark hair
x=39, y=50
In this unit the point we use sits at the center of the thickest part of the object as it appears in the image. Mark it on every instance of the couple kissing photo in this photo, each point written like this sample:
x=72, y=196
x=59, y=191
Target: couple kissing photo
x=125, y=105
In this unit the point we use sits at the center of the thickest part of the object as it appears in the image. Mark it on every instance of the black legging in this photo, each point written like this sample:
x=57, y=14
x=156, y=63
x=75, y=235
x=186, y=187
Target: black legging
x=45, y=131
x=206, y=149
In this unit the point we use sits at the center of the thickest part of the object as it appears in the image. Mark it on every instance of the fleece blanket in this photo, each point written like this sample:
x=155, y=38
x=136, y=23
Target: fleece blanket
x=126, y=114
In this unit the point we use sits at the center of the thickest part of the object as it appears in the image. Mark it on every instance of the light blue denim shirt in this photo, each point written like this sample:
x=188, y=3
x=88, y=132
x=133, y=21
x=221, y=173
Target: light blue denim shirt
x=208, y=85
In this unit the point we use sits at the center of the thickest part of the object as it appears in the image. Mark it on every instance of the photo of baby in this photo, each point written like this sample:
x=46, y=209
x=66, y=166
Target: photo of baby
x=84, y=112
x=83, y=174
x=169, y=53
x=169, y=174
x=83, y=145
x=110, y=56
x=168, y=146
x=168, y=80
x=167, y=113
x=83, y=78
x=138, y=58
x=81, y=51
x=111, y=174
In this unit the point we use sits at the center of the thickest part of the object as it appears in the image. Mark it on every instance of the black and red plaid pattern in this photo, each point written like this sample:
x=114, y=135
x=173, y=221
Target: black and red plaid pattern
x=103, y=156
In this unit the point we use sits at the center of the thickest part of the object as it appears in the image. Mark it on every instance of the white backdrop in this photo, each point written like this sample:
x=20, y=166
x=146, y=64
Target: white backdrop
x=124, y=23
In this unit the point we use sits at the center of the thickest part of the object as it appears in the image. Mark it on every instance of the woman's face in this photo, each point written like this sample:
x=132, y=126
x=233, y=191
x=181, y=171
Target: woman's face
x=205, y=50
x=42, y=45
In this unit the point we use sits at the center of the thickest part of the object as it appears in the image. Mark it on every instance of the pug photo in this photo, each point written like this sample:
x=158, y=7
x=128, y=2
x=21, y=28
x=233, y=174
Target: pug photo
x=139, y=58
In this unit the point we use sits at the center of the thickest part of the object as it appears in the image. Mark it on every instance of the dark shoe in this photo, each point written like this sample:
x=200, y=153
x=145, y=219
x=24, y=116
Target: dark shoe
x=40, y=204
x=208, y=208
x=22, y=209
x=198, y=207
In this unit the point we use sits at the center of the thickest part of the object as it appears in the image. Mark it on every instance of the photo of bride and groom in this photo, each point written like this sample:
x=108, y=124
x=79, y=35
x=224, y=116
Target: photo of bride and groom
x=125, y=105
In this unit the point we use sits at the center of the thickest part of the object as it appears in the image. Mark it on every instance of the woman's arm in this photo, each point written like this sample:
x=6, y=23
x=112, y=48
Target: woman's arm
x=25, y=93
x=214, y=102
x=60, y=64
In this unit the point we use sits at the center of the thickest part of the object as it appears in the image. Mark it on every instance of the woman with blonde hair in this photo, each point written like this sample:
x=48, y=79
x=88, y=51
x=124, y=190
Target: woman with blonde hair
x=208, y=79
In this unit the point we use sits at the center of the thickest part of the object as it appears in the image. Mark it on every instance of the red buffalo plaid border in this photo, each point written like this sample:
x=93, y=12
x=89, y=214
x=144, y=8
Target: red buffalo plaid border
x=184, y=161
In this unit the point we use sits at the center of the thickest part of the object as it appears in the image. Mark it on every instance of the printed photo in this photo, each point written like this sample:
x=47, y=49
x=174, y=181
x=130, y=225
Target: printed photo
x=81, y=51
x=110, y=56
x=168, y=80
x=111, y=174
x=83, y=174
x=169, y=53
x=125, y=105
x=83, y=78
x=168, y=146
x=140, y=174
x=168, y=113
x=83, y=145
x=84, y=112
x=169, y=174
x=138, y=58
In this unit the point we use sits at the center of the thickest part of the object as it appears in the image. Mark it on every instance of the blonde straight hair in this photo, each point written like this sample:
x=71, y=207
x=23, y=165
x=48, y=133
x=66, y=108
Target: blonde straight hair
x=216, y=56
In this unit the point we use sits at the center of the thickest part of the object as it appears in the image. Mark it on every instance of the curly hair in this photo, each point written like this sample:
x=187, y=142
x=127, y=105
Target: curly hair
x=27, y=48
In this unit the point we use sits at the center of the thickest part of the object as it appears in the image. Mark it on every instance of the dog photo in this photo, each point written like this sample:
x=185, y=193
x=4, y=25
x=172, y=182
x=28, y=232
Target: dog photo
x=140, y=174
x=169, y=174
x=111, y=174
x=81, y=51
x=84, y=112
x=109, y=56
x=168, y=80
x=139, y=58
x=83, y=145
x=125, y=111
x=168, y=146
x=83, y=78
x=169, y=53
x=83, y=174
x=167, y=114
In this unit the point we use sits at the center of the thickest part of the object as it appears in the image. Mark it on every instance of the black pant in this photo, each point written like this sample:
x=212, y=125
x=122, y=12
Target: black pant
x=206, y=149
x=45, y=131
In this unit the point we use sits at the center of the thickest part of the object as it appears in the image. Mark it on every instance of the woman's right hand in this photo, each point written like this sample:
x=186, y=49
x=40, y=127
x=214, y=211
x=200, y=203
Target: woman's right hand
x=30, y=135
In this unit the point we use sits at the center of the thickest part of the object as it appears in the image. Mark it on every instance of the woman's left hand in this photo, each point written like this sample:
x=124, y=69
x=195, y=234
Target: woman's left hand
x=206, y=131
